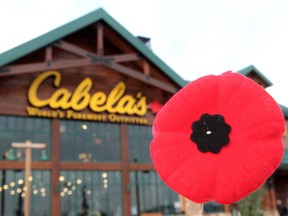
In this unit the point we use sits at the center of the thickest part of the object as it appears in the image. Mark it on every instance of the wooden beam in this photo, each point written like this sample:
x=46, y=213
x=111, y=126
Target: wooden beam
x=85, y=53
x=142, y=77
x=55, y=172
x=142, y=167
x=71, y=48
x=126, y=185
x=146, y=68
x=21, y=165
x=90, y=166
x=36, y=67
x=116, y=39
x=124, y=57
x=100, y=39
x=48, y=55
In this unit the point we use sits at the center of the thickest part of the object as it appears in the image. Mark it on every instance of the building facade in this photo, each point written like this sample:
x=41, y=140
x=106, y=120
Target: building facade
x=88, y=90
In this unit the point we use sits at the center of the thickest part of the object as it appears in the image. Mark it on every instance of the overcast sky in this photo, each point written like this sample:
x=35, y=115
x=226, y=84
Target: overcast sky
x=193, y=37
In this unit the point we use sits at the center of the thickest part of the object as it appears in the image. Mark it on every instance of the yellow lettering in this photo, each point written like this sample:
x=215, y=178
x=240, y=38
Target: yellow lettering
x=60, y=99
x=114, y=96
x=140, y=108
x=81, y=96
x=34, y=87
x=115, y=102
x=97, y=103
x=125, y=105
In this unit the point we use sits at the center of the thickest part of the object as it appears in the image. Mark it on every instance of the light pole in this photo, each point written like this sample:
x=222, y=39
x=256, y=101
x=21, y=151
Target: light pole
x=28, y=146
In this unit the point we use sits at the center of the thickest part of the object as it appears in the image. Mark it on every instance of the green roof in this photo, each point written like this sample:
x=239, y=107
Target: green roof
x=250, y=69
x=62, y=31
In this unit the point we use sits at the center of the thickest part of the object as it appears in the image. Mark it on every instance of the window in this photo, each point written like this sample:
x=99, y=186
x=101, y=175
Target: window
x=150, y=194
x=20, y=129
x=91, y=193
x=139, y=138
x=89, y=141
x=12, y=192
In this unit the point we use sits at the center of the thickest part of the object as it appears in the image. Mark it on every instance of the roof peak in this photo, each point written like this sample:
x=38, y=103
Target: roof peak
x=79, y=23
x=250, y=70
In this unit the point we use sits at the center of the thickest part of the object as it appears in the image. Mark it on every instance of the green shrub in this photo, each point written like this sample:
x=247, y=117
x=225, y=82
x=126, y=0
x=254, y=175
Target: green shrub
x=252, y=204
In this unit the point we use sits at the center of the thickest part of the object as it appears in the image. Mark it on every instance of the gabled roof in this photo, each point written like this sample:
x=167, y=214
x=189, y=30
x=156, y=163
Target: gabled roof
x=252, y=69
x=80, y=23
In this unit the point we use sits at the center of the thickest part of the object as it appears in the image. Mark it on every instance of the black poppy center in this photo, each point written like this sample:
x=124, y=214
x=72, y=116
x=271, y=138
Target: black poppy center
x=210, y=133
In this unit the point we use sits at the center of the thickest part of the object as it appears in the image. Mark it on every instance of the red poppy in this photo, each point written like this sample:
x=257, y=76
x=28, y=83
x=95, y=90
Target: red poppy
x=218, y=139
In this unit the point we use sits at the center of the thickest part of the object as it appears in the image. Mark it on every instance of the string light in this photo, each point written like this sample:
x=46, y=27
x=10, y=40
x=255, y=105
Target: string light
x=35, y=192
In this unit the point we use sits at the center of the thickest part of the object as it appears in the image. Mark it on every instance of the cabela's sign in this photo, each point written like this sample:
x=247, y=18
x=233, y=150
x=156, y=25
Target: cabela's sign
x=120, y=107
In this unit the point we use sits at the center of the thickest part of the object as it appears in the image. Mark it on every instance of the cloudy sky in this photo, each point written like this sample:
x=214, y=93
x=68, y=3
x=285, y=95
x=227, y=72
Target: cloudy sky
x=194, y=37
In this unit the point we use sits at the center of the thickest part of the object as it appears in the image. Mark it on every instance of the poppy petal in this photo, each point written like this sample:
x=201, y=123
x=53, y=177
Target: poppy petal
x=255, y=146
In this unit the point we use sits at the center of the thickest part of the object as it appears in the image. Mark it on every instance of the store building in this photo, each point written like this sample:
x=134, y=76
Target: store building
x=275, y=187
x=89, y=90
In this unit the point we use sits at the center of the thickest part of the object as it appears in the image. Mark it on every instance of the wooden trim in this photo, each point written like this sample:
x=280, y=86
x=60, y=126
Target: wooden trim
x=55, y=173
x=146, y=68
x=86, y=54
x=35, y=165
x=140, y=76
x=124, y=57
x=90, y=166
x=141, y=167
x=48, y=55
x=100, y=39
x=36, y=67
x=71, y=48
x=126, y=172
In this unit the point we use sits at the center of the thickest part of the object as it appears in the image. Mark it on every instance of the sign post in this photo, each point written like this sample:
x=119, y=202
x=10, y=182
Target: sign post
x=28, y=146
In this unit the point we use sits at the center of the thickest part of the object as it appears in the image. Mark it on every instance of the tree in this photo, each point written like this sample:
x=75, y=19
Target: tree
x=252, y=204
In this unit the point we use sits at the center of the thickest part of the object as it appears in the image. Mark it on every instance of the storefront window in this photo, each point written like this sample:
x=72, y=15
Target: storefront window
x=21, y=129
x=149, y=194
x=89, y=141
x=91, y=193
x=12, y=192
x=139, y=138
